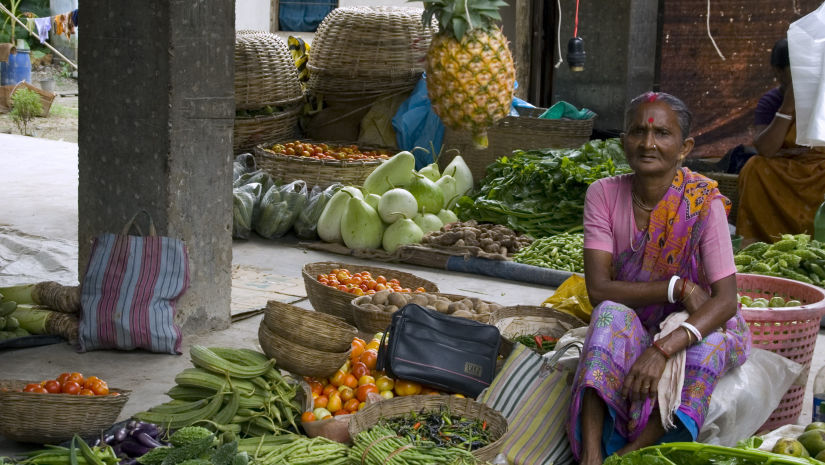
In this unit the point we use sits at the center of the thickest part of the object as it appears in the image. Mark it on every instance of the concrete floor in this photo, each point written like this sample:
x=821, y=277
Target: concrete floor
x=38, y=185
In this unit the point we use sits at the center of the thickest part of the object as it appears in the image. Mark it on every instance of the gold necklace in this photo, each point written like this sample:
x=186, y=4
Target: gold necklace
x=638, y=202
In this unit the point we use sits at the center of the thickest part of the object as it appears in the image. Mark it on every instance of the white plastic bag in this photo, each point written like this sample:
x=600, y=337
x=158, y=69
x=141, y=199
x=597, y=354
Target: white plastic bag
x=806, y=48
x=746, y=396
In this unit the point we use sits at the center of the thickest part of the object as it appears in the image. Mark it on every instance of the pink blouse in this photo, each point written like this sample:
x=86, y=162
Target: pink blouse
x=609, y=225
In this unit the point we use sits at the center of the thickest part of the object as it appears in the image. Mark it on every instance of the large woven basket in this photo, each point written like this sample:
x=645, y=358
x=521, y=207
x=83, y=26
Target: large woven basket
x=307, y=327
x=729, y=187
x=524, y=132
x=372, y=321
x=265, y=73
x=790, y=332
x=370, y=415
x=531, y=320
x=368, y=49
x=315, y=172
x=297, y=358
x=249, y=132
x=327, y=299
x=55, y=418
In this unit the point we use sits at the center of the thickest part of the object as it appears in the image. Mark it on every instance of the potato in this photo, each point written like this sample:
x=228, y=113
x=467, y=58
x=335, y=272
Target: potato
x=468, y=304
x=390, y=308
x=431, y=298
x=456, y=307
x=430, y=307
x=442, y=305
x=475, y=303
x=372, y=308
x=464, y=313
x=397, y=298
x=418, y=299
x=380, y=297
x=482, y=307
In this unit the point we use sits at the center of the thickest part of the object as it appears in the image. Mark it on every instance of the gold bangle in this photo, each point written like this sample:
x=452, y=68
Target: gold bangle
x=689, y=334
x=693, y=288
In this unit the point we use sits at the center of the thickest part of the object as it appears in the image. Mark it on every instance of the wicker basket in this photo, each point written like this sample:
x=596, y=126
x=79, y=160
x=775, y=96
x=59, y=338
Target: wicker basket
x=729, y=187
x=339, y=303
x=790, y=332
x=372, y=321
x=315, y=172
x=530, y=320
x=249, y=132
x=368, y=50
x=55, y=418
x=298, y=359
x=525, y=132
x=370, y=415
x=265, y=73
x=322, y=331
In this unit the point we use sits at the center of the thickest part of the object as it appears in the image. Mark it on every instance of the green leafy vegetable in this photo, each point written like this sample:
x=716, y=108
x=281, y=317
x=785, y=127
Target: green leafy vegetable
x=541, y=192
x=695, y=453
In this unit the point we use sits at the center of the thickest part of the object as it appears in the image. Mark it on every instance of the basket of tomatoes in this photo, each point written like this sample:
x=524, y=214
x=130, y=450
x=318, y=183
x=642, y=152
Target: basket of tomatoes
x=331, y=286
x=319, y=163
x=56, y=409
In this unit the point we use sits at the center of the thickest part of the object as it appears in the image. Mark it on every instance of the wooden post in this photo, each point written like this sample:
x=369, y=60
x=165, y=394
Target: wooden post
x=522, y=43
x=273, y=15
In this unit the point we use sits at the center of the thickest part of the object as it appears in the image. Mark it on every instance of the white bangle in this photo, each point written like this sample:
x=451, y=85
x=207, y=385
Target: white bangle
x=692, y=329
x=783, y=116
x=670, y=287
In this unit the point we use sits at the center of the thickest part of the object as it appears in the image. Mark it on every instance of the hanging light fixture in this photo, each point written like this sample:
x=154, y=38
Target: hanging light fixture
x=575, y=47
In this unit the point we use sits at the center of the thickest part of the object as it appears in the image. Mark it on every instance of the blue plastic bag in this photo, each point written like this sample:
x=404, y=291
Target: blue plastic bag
x=417, y=127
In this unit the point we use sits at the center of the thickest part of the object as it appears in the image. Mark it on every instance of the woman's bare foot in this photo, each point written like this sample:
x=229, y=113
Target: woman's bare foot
x=591, y=459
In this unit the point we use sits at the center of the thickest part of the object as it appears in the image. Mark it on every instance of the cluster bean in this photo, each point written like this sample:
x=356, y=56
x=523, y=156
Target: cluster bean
x=560, y=252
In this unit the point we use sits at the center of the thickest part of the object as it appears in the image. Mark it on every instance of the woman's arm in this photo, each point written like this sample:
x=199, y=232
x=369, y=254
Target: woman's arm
x=598, y=276
x=770, y=138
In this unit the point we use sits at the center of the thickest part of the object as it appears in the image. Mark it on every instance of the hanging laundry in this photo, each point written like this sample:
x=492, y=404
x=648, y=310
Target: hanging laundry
x=74, y=17
x=43, y=25
x=31, y=26
x=59, y=24
x=69, y=25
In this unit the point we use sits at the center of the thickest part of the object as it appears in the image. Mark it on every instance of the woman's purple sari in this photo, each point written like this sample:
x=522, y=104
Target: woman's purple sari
x=618, y=334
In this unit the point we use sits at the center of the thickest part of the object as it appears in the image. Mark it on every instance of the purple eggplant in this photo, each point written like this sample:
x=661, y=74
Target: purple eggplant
x=131, y=424
x=149, y=428
x=118, y=451
x=147, y=440
x=133, y=448
x=120, y=435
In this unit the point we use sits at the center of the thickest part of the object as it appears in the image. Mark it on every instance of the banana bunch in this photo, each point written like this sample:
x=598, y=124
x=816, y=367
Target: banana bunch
x=9, y=325
x=229, y=390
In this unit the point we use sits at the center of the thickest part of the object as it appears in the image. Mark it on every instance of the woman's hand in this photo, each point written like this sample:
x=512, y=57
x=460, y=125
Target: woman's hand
x=694, y=298
x=788, y=103
x=642, y=380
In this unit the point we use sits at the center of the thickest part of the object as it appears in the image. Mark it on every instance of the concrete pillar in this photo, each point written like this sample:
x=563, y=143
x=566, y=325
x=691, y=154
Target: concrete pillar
x=155, y=133
x=620, y=42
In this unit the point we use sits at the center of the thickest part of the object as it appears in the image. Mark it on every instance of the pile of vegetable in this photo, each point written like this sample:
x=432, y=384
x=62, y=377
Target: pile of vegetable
x=73, y=384
x=380, y=445
x=293, y=449
x=194, y=445
x=396, y=205
x=793, y=256
x=236, y=390
x=811, y=443
x=361, y=283
x=328, y=152
x=696, y=453
x=442, y=428
x=260, y=204
x=489, y=238
x=761, y=302
x=540, y=343
x=133, y=439
x=559, y=252
x=78, y=453
x=541, y=192
x=41, y=308
x=466, y=307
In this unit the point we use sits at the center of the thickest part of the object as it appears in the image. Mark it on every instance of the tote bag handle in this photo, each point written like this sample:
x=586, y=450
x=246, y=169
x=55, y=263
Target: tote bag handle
x=131, y=223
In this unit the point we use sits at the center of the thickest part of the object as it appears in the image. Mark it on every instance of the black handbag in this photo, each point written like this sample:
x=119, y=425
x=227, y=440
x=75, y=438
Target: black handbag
x=446, y=352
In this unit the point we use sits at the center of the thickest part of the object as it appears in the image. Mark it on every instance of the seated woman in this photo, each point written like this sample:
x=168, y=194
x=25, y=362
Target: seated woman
x=656, y=244
x=781, y=188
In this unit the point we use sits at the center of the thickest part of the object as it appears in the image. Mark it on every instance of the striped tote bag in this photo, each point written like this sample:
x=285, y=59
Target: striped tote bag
x=533, y=394
x=129, y=292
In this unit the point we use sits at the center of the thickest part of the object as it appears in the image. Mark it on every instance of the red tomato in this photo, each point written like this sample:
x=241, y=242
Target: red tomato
x=352, y=404
x=71, y=387
x=359, y=369
x=365, y=389
x=77, y=378
x=31, y=387
x=63, y=378
x=40, y=390
x=99, y=387
x=53, y=386
x=86, y=392
x=307, y=416
x=369, y=357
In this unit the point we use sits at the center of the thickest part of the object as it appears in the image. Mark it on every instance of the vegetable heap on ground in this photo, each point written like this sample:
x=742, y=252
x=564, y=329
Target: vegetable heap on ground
x=470, y=71
x=560, y=252
x=540, y=343
x=490, y=238
x=237, y=390
x=696, y=453
x=382, y=446
x=442, y=428
x=793, y=257
x=541, y=192
x=41, y=308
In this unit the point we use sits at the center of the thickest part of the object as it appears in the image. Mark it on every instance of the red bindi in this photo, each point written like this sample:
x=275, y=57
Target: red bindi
x=650, y=120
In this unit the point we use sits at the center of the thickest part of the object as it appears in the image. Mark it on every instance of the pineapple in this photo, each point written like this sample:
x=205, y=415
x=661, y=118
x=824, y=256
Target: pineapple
x=470, y=71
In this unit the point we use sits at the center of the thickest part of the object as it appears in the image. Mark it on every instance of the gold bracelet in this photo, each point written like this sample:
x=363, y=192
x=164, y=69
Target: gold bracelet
x=693, y=288
x=689, y=334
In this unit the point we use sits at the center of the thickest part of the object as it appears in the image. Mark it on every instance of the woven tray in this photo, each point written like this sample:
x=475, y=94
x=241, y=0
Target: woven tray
x=249, y=132
x=789, y=331
x=265, y=73
x=530, y=319
x=299, y=359
x=525, y=132
x=55, y=418
x=370, y=415
x=370, y=48
x=372, y=321
x=306, y=327
x=339, y=303
x=315, y=172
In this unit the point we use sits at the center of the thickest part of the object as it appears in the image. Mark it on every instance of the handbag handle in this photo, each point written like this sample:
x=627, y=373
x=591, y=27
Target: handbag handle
x=563, y=350
x=131, y=222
